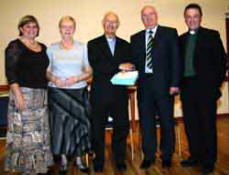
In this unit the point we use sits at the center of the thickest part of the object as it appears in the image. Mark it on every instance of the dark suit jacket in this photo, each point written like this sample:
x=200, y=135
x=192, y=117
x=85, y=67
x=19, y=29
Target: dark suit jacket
x=209, y=59
x=166, y=60
x=105, y=65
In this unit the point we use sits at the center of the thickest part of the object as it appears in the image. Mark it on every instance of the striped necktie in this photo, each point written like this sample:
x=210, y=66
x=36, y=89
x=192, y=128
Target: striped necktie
x=149, y=54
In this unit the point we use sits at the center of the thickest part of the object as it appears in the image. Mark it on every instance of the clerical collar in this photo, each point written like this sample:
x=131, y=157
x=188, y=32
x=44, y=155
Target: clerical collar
x=193, y=32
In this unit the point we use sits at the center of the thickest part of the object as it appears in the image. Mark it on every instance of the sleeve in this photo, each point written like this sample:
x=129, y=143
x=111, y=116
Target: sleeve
x=12, y=54
x=220, y=57
x=175, y=64
x=136, y=52
x=50, y=57
x=85, y=56
x=127, y=57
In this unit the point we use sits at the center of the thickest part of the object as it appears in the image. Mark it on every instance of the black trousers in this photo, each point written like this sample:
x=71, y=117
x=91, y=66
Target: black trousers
x=108, y=100
x=152, y=102
x=199, y=110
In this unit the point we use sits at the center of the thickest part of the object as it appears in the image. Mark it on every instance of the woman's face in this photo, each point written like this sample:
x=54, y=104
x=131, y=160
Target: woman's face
x=67, y=29
x=30, y=30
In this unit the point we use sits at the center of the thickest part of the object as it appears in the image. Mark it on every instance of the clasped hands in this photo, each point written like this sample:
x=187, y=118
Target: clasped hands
x=129, y=67
x=65, y=82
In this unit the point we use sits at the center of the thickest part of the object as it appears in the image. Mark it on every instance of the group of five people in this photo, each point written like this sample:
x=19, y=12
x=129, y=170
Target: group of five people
x=193, y=64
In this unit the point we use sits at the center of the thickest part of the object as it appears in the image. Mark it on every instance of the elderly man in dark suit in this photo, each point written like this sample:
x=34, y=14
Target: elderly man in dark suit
x=204, y=71
x=108, y=54
x=155, y=54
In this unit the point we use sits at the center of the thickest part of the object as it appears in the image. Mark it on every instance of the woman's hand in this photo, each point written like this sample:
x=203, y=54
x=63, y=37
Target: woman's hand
x=54, y=79
x=59, y=82
x=18, y=96
x=71, y=80
x=20, y=102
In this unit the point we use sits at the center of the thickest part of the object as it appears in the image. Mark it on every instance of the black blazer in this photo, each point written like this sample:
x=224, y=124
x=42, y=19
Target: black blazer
x=166, y=60
x=209, y=58
x=104, y=64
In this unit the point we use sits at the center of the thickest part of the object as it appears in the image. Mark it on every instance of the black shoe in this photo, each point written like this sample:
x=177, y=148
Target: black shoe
x=49, y=172
x=98, y=167
x=146, y=163
x=166, y=163
x=63, y=167
x=206, y=169
x=189, y=162
x=63, y=170
x=91, y=154
x=82, y=166
x=121, y=166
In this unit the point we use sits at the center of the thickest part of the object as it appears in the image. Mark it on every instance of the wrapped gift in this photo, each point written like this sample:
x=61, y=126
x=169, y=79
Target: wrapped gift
x=125, y=78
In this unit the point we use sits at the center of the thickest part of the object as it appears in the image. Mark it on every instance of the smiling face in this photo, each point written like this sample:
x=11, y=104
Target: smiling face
x=149, y=17
x=29, y=30
x=67, y=29
x=110, y=24
x=192, y=18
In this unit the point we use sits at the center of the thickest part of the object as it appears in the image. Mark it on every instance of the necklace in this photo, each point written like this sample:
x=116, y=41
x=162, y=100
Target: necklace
x=31, y=44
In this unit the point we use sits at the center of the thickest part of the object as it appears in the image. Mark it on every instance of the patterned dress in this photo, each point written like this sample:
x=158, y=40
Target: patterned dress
x=28, y=135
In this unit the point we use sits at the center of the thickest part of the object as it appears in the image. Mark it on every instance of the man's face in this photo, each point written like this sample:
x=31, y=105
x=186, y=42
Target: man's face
x=192, y=18
x=149, y=17
x=110, y=24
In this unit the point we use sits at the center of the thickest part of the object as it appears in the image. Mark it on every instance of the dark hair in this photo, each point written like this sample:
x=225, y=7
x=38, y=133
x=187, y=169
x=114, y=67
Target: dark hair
x=26, y=20
x=193, y=6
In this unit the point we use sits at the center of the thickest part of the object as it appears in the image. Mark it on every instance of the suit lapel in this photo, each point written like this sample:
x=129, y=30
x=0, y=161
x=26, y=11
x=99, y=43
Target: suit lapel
x=143, y=40
x=117, y=44
x=105, y=47
x=158, y=34
x=157, y=38
x=185, y=38
x=183, y=42
x=199, y=40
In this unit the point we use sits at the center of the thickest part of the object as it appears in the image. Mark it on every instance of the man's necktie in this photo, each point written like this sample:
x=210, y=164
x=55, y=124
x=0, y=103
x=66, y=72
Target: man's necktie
x=149, y=55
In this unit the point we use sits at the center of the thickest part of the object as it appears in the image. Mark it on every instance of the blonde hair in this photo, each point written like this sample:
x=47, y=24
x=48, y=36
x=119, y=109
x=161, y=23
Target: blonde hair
x=69, y=18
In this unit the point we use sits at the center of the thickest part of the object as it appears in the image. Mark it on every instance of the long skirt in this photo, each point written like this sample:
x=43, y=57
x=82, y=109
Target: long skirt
x=69, y=119
x=28, y=135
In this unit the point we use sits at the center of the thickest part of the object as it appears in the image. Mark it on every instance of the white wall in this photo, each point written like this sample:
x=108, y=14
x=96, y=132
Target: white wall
x=89, y=13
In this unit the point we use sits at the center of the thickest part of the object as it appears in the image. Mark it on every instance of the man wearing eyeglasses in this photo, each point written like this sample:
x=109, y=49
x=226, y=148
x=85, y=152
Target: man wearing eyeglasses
x=108, y=54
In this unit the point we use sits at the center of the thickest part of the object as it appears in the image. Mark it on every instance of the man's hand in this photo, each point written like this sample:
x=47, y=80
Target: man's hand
x=174, y=90
x=126, y=67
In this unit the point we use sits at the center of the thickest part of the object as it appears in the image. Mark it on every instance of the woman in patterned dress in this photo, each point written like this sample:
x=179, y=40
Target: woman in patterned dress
x=68, y=97
x=28, y=139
